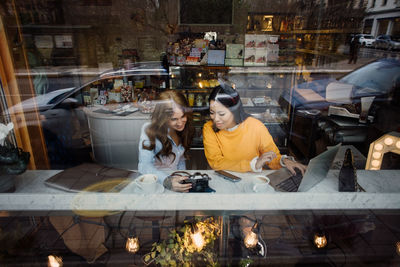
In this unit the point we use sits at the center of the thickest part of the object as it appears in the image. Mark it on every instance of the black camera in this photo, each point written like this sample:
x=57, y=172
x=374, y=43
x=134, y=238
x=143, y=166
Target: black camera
x=198, y=180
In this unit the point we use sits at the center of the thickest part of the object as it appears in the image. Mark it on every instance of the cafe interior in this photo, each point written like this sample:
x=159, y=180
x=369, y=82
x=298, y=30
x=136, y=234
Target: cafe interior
x=81, y=79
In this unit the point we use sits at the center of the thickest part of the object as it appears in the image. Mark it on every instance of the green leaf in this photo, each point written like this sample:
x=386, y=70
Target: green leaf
x=147, y=258
x=159, y=248
x=172, y=263
x=153, y=254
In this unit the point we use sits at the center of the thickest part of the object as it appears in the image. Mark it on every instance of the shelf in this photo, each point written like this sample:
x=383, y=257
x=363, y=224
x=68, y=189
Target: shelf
x=194, y=90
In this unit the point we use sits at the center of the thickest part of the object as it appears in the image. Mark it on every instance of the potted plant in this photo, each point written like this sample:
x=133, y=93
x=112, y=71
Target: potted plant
x=190, y=245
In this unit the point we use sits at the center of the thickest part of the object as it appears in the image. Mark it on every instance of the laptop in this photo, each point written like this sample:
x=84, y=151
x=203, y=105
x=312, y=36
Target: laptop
x=317, y=169
x=91, y=177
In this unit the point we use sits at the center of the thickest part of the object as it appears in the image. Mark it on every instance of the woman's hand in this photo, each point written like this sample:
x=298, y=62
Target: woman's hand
x=265, y=158
x=177, y=186
x=291, y=165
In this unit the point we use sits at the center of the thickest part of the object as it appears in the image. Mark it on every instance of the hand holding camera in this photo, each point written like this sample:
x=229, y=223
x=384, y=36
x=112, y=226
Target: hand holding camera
x=182, y=181
x=180, y=184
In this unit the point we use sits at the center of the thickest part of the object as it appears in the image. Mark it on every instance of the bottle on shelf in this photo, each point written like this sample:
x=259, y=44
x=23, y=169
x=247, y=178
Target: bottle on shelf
x=199, y=100
x=191, y=99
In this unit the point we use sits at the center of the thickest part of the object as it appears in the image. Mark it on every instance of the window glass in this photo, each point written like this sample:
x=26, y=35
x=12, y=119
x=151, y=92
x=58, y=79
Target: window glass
x=106, y=133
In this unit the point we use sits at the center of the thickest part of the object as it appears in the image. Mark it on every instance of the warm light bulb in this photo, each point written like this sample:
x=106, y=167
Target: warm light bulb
x=398, y=144
x=398, y=248
x=320, y=241
x=269, y=85
x=172, y=76
x=199, y=74
x=376, y=155
x=132, y=245
x=200, y=84
x=198, y=240
x=378, y=147
x=375, y=163
x=388, y=141
x=54, y=261
x=251, y=240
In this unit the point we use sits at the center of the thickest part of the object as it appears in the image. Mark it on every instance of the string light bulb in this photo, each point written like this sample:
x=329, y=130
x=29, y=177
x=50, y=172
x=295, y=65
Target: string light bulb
x=251, y=239
x=132, y=244
x=320, y=240
x=198, y=240
x=398, y=248
x=54, y=261
x=387, y=143
x=398, y=144
x=376, y=155
x=378, y=147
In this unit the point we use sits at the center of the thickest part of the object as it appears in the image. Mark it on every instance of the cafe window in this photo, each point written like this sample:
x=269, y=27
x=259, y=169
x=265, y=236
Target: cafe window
x=368, y=25
x=113, y=147
x=396, y=26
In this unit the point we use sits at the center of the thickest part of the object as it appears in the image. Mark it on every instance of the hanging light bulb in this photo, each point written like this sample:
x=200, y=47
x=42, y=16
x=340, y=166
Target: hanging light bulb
x=54, y=261
x=132, y=244
x=198, y=240
x=320, y=240
x=251, y=240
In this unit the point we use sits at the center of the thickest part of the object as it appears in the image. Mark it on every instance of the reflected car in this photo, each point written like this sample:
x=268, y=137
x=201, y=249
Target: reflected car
x=63, y=120
x=329, y=109
x=366, y=40
x=387, y=42
x=379, y=78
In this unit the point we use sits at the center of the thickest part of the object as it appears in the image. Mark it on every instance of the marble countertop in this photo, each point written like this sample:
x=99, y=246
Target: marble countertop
x=33, y=195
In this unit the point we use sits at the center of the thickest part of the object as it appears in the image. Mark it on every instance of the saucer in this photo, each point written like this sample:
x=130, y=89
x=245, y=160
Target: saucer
x=159, y=190
x=267, y=189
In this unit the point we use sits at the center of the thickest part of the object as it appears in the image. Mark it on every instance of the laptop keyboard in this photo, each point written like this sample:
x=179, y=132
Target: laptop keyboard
x=292, y=183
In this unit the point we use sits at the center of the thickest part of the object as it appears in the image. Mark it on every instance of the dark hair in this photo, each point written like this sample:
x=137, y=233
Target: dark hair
x=230, y=98
x=158, y=128
x=226, y=95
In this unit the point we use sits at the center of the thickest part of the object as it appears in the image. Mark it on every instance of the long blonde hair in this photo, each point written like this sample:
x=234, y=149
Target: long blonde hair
x=158, y=129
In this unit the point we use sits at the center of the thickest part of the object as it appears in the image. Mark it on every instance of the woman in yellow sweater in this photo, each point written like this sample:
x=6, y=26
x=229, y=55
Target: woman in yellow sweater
x=235, y=141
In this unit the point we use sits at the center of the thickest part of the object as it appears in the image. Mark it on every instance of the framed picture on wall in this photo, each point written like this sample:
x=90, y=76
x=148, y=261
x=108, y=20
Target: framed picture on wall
x=63, y=41
x=43, y=41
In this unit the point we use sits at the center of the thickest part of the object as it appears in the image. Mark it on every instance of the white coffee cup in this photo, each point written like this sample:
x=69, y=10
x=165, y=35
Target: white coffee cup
x=147, y=183
x=261, y=185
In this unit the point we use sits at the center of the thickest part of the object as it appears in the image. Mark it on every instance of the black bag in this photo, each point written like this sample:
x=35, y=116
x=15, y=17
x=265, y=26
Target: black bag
x=13, y=160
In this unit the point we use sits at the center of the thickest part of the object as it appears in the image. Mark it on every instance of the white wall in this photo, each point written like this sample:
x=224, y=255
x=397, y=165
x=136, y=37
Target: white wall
x=389, y=11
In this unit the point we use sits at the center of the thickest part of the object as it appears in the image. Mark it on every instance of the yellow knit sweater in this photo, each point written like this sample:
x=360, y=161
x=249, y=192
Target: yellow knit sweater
x=233, y=150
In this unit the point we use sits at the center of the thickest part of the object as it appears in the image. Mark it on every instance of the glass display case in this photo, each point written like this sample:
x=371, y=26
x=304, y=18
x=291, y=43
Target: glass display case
x=259, y=89
x=196, y=83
